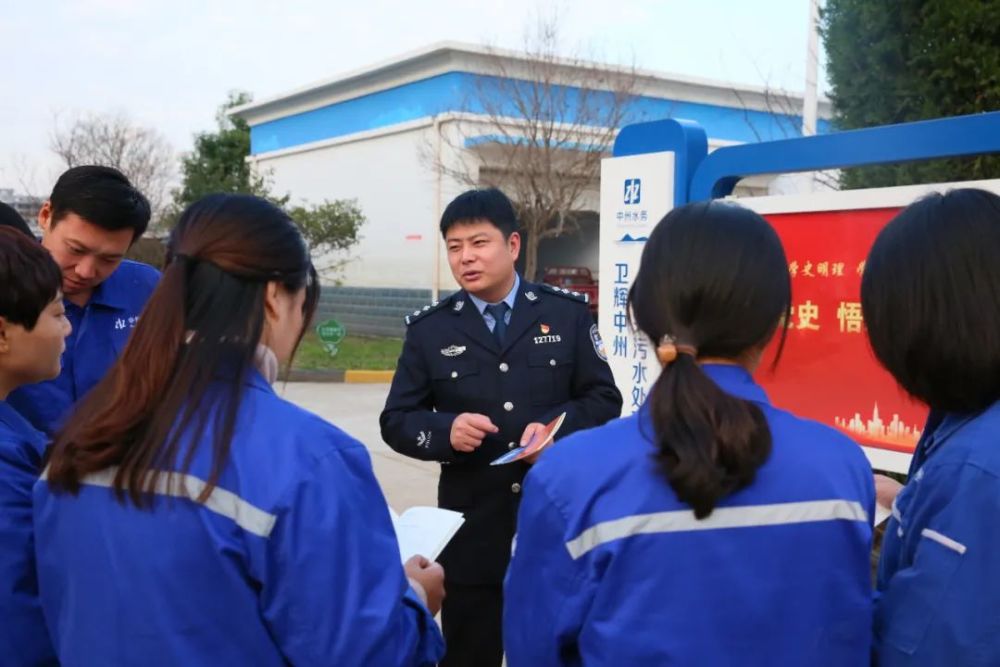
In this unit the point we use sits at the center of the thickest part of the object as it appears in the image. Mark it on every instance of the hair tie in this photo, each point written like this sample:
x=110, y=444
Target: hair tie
x=668, y=350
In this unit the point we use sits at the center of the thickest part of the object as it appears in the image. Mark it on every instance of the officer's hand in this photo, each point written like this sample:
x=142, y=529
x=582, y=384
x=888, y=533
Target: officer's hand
x=529, y=433
x=427, y=578
x=468, y=431
x=886, y=490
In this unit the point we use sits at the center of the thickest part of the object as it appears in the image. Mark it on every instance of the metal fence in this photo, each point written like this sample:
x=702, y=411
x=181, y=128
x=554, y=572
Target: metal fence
x=371, y=311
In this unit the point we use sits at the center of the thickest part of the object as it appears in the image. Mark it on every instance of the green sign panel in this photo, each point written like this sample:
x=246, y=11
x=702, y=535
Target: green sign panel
x=330, y=334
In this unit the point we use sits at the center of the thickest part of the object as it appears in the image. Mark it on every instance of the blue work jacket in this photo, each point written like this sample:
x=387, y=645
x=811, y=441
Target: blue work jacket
x=24, y=640
x=939, y=574
x=100, y=330
x=291, y=560
x=610, y=568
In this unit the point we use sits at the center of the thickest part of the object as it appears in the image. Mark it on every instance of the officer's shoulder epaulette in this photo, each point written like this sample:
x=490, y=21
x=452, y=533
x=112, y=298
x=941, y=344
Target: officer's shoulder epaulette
x=565, y=293
x=419, y=314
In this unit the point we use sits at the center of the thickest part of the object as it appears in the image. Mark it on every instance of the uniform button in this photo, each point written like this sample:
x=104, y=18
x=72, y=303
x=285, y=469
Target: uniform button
x=511, y=445
x=508, y=406
x=515, y=487
x=552, y=362
x=454, y=374
x=504, y=367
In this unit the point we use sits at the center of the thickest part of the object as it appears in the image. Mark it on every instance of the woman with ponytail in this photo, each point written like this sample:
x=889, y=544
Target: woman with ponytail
x=710, y=528
x=190, y=516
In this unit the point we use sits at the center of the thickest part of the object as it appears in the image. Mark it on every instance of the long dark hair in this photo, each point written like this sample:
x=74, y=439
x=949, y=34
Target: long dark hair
x=931, y=299
x=201, y=325
x=713, y=277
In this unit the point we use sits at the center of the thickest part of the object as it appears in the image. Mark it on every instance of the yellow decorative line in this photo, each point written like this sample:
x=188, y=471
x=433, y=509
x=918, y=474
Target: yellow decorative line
x=368, y=377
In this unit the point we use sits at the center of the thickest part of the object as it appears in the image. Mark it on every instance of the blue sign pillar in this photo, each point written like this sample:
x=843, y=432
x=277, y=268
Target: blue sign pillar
x=685, y=138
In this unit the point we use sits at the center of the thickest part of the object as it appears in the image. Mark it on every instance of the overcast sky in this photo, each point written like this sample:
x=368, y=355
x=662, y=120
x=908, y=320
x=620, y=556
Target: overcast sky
x=169, y=63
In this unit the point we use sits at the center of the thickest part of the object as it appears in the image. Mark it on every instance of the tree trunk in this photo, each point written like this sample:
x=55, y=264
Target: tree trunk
x=531, y=257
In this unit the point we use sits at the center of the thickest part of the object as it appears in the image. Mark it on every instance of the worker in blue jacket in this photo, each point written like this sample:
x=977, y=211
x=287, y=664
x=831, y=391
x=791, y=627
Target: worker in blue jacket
x=931, y=304
x=90, y=220
x=711, y=527
x=190, y=516
x=33, y=329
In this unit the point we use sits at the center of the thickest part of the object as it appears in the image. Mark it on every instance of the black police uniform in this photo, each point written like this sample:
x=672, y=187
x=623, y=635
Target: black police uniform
x=551, y=361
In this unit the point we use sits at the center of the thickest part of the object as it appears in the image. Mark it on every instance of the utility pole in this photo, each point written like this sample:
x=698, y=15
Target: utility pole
x=810, y=95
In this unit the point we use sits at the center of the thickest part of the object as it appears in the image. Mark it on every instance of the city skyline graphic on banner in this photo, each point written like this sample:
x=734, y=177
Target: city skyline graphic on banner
x=896, y=432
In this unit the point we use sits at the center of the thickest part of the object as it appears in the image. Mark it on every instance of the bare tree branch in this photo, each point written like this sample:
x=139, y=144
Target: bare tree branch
x=785, y=112
x=26, y=174
x=114, y=140
x=537, y=125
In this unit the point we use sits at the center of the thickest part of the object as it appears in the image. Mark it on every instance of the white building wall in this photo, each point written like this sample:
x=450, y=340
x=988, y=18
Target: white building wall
x=396, y=189
x=392, y=176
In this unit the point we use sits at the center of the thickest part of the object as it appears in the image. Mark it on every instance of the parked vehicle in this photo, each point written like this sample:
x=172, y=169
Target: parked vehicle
x=576, y=279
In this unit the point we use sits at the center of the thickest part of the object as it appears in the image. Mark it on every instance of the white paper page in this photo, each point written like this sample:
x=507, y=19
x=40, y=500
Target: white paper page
x=425, y=531
x=881, y=513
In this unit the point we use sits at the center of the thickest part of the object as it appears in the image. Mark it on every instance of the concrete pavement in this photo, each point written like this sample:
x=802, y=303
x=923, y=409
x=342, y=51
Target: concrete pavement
x=355, y=409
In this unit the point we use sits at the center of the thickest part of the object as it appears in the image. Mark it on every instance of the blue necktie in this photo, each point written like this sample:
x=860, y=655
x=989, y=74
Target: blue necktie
x=499, y=312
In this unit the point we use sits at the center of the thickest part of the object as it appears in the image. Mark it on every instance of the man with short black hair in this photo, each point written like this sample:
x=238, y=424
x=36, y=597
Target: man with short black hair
x=89, y=222
x=480, y=372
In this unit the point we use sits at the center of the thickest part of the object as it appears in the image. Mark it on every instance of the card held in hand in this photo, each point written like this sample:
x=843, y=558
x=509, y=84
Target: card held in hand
x=539, y=441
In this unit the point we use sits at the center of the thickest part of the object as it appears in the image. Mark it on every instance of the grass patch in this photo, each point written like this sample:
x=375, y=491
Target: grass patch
x=353, y=353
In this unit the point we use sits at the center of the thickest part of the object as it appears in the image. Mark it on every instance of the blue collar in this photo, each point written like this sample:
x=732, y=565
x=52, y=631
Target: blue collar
x=15, y=421
x=256, y=380
x=737, y=381
x=252, y=378
x=940, y=426
x=113, y=292
x=509, y=299
x=734, y=380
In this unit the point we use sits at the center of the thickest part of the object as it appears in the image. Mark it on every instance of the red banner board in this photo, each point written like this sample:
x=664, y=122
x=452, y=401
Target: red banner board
x=827, y=371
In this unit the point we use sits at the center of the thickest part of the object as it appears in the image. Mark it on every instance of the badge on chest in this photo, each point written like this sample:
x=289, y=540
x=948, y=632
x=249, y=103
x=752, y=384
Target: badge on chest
x=547, y=336
x=126, y=323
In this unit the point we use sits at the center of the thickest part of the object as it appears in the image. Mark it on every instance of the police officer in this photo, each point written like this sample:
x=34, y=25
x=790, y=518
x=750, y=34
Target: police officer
x=479, y=372
x=88, y=223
